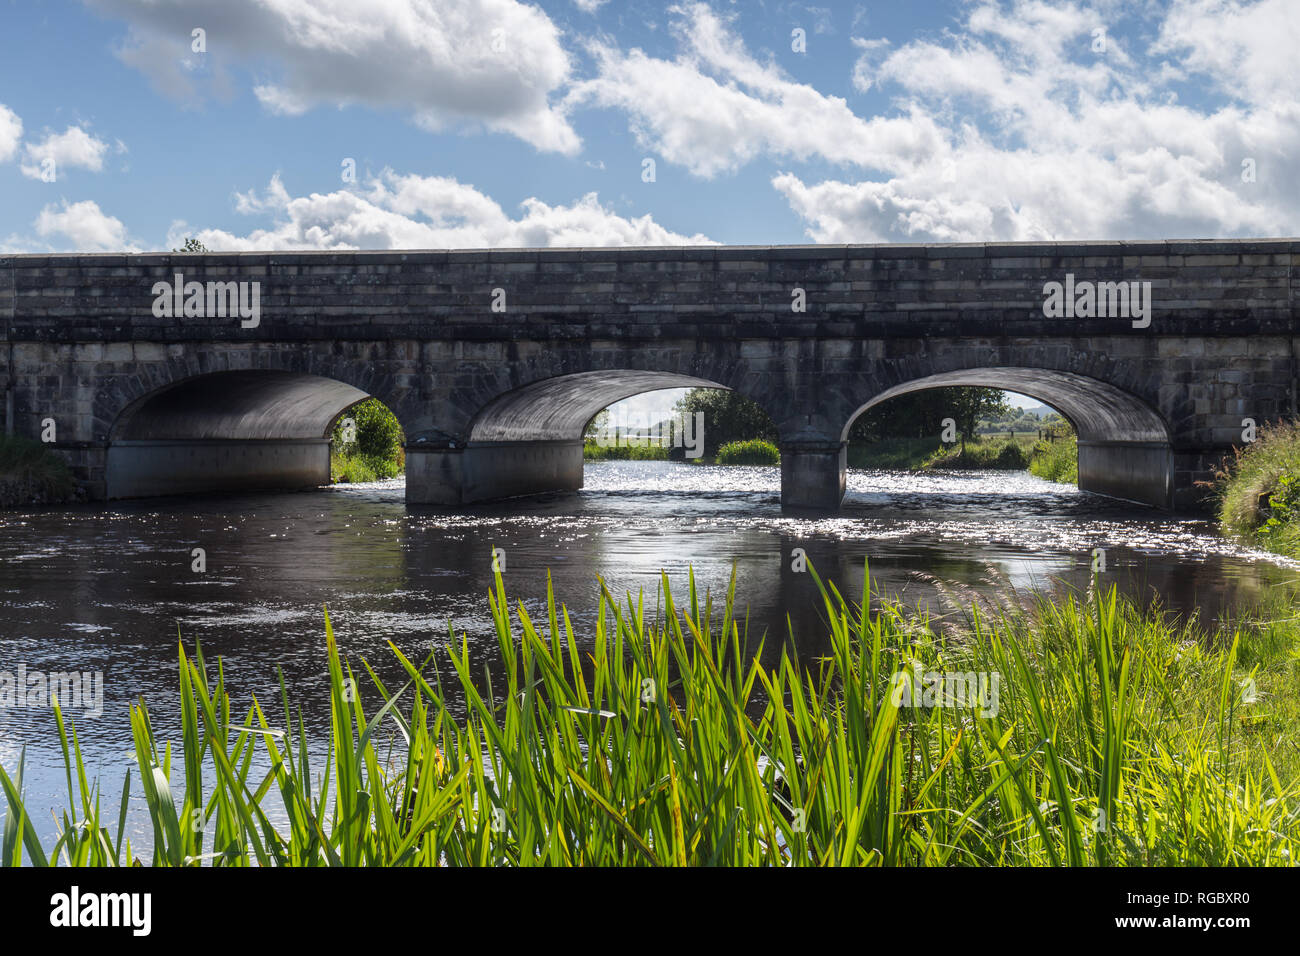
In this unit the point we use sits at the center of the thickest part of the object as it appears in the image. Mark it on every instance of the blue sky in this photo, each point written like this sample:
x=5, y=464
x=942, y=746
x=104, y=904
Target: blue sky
x=474, y=123
x=497, y=123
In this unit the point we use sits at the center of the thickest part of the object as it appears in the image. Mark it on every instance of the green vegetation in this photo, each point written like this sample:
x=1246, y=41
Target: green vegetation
x=592, y=451
x=898, y=454
x=30, y=473
x=995, y=455
x=753, y=452
x=728, y=417
x=920, y=454
x=1259, y=490
x=1057, y=460
x=1116, y=739
x=374, y=450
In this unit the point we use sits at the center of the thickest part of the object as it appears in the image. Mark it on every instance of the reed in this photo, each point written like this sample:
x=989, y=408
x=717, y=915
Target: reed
x=661, y=739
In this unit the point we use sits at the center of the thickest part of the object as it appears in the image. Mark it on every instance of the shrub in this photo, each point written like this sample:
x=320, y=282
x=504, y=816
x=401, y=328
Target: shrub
x=1056, y=461
x=592, y=451
x=377, y=450
x=756, y=451
x=31, y=473
x=1011, y=457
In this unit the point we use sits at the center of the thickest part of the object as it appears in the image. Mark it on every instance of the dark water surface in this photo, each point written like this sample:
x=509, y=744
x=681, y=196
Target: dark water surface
x=104, y=588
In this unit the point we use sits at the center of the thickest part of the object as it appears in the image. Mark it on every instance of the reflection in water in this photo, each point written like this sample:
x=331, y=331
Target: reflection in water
x=106, y=587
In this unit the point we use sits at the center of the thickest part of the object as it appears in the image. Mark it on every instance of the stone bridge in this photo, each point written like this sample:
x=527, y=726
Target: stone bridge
x=145, y=373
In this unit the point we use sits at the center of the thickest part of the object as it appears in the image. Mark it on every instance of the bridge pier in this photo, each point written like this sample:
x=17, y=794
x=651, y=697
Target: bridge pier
x=487, y=471
x=1132, y=470
x=813, y=474
x=145, y=468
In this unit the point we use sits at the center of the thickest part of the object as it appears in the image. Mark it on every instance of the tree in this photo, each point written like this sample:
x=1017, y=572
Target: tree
x=915, y=415
x=377, y=436
x=969, y=404
x=728, y=417
x=192, y=245
x=598, y=424
x=921, y=414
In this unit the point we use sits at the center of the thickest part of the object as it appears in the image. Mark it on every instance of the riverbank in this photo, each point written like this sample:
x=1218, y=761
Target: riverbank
x=1259, y=490
x=31, y=474
x=1082, y=733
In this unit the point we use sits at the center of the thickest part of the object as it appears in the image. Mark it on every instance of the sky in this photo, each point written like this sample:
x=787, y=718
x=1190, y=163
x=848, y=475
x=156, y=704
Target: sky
x=129, y=125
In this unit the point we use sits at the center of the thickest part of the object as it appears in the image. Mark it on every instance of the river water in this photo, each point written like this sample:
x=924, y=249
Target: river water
x=108, y=588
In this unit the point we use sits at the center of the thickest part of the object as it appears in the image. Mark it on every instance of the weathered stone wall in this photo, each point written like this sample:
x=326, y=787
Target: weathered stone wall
x=80, y=343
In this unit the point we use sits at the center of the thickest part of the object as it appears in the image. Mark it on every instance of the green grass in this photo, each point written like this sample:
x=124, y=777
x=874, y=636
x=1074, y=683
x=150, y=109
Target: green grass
x=1259, y=490
x=352, y=467
x=661, y=740
x=31, y=472
x=920, y=454
x=899, y=454
x=1056, y=461
x=756, y=451
x=591, y=451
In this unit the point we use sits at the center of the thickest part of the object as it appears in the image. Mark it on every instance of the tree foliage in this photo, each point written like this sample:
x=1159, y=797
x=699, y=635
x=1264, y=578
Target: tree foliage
x=377, y=439
x=728, y=417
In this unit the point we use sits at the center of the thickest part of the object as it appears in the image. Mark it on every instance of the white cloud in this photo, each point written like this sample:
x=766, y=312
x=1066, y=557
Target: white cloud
x=716, y=107
x=493, y=63
x=73, y=148
x=84, y=227
x=425, y=212
x=11, y=132
x=1040, y=138
x=1243, y=48
x=589, y=6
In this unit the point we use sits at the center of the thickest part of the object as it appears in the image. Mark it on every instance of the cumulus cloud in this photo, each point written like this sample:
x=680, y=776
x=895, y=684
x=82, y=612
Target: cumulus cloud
x=1042, y=137
x=716, y=107
x=11, y=132
x=493, y=63
x=82, y=227
x=425, y=212
x=73, y=148
x=1012, y=125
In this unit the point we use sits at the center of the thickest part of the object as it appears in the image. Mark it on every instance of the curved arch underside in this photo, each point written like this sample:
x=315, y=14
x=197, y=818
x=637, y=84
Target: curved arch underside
x=557, y=409
x=1098, y=411
x=247, y=405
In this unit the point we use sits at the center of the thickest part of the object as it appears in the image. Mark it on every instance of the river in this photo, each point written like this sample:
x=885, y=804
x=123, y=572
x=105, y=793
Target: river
x=108, y=588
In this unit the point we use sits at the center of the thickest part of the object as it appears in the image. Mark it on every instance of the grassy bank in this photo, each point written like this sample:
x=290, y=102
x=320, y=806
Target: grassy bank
x=756, y=451
x=1114, y=738
x=32, y=474
x=591, y=451
x=1056, y=461
x=1259, y=490
x=920, y=454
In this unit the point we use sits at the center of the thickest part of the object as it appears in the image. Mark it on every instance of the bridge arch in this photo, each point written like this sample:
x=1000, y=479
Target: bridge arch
x=1125, y=448
x=528, y=439
x=233, y=430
